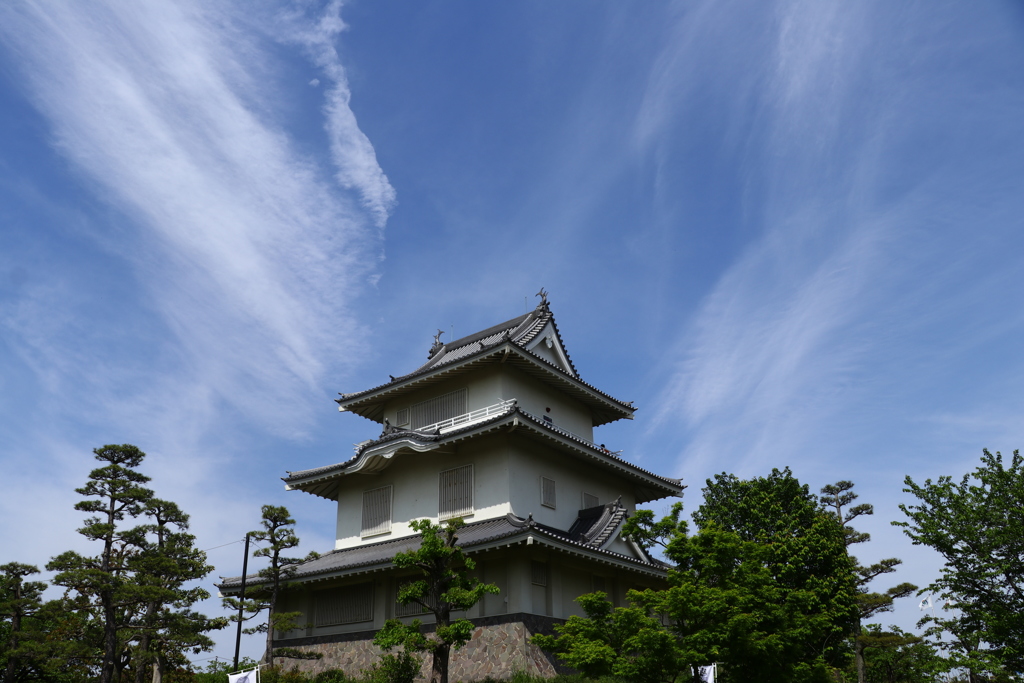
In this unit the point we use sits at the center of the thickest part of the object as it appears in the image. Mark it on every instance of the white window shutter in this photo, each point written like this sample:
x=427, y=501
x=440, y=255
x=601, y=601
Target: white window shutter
x=376, y=511
x=438, y=408
x=547, y=492
x=455, y=494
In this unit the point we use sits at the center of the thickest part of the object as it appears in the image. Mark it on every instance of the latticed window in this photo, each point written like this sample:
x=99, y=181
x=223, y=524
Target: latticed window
x=376, y=511
x=547, y=492
x=590, y=500
x=348, y=605
x=455, y=492
x=402, y=419
x=598, y=583
x=439, y=408
x=538, y=573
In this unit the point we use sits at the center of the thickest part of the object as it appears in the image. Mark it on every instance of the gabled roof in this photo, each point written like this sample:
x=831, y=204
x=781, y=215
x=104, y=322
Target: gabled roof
x=372, y=456
x=512, y=341
x=595, y=526
x=473, y=537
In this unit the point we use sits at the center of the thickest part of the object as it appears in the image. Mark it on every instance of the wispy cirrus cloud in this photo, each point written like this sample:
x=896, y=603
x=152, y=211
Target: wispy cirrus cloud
x=351, y=151
x=200, y=308
x=248, y=252
x=868, y=194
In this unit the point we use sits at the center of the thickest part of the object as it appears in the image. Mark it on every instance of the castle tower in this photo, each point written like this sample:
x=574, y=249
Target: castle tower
x=496, y=428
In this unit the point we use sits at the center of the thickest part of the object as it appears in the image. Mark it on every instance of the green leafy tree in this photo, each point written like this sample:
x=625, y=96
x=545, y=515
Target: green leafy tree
x=797, y=570
x=765, y=587
x=627, y=642
x=977, y=525
x=279, y=536
x=443, y=586
x=964, y=648
x=837, y=499
x=114, y=494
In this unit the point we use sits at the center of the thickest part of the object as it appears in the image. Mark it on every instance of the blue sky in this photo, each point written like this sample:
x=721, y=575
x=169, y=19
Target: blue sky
x=790, y=231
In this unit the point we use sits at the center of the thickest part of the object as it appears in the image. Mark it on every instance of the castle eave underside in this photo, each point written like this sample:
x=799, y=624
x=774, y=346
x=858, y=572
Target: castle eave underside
x=474, y=538
x=604, y=408
x=376, y=455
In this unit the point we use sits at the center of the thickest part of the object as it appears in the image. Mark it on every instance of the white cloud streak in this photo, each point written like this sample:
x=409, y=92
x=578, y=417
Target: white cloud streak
x=351, y=150
x=249, y=255
x=830, y=311
x=242, y=260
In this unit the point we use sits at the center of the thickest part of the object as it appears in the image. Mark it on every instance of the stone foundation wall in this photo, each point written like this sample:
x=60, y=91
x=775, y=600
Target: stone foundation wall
x=498, y=648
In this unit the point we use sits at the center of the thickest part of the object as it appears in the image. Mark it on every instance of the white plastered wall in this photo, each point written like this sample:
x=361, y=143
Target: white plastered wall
x=483, y=388
x=529, y=460
x=537, y=397
x=414, y=478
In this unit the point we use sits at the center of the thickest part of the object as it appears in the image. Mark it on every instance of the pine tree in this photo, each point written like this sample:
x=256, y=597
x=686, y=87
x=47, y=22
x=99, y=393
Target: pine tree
x=167, y=562
x=131, y=600
x=836, y=499
x=114, y=493
x=20, y=600
x=273, y=580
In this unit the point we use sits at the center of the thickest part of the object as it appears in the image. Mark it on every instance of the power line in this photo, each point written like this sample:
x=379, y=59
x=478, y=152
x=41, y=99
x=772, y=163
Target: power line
x=224, y=545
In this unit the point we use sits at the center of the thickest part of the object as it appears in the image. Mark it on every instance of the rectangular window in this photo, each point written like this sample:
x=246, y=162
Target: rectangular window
x=590, y=500
x=348, y=605
x=455, y=497
x=598, y=583
x=376, y=511
x=440, y=408
x=402, y=419
x=539, y=574
x=547, y=492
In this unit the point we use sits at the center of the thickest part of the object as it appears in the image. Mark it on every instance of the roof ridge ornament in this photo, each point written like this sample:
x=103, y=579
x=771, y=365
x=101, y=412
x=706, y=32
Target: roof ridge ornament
x=437, y=345
x=543, y=306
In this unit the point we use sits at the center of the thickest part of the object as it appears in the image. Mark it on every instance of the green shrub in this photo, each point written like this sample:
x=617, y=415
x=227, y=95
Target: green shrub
x=278, y=674
x=397, y=668
x=332, y=676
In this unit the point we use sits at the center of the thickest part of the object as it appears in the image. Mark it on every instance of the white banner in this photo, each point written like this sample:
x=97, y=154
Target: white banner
x=251, y=676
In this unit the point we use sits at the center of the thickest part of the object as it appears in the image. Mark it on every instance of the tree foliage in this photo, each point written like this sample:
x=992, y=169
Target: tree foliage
x=443, y=586
x=114, y=493
x=278, y=534
x=130, y=604
x=895, y=656
x=20, y=602
x=838, y=500
x=977, y=525
x=626, y=642
x=764, y=587
x=167, y=563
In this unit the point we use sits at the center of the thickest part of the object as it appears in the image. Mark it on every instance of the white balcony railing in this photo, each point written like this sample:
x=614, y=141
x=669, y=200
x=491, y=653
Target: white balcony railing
x=481, y=414
x=469, y=418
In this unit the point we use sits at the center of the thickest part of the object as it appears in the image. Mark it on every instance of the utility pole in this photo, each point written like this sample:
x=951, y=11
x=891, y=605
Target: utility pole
x=241, y=601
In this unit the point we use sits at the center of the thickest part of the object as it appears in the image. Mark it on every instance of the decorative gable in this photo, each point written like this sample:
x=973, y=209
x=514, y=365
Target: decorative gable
x=548, y=345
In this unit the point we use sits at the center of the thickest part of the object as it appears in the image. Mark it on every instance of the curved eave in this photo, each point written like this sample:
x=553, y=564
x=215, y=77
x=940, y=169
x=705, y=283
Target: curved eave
x=324, y=482
x=530, y=535
x=649, y=486
x=605, y=408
